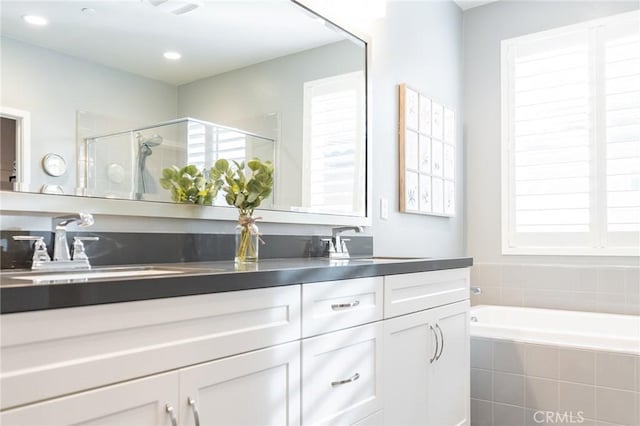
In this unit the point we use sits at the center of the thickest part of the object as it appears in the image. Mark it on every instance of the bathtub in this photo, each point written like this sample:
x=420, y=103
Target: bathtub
x=586, y=330
x=542, y=366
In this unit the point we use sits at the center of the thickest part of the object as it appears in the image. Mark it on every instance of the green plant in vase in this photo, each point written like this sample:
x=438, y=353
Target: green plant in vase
x=245, y=191
x=190, y=185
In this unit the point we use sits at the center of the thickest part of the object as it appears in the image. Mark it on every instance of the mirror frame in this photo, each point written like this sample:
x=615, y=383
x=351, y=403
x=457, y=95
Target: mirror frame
x=24, y=202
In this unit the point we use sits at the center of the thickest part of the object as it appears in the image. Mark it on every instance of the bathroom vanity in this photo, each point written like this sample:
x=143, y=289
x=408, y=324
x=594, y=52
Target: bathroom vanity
x=297, y=341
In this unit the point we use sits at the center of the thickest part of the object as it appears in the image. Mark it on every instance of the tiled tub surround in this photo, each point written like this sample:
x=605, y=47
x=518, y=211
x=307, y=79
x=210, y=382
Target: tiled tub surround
x=515, y=381
x=611, y=289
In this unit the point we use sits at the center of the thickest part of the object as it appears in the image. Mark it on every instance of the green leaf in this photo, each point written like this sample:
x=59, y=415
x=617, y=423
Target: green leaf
x=239, y=200
x=222, y=165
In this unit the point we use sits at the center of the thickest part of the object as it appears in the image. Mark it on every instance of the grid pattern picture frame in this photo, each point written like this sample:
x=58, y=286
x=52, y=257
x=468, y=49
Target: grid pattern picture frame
x=427, y=153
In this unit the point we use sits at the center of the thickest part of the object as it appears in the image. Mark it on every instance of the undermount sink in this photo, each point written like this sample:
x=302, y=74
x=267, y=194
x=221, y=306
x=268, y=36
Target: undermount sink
x=385, y=259
x=117, y=272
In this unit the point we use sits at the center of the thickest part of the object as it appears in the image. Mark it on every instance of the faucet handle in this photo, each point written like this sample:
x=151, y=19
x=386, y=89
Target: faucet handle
x=331, y=247
x=39, y=247
x=343, y=243
x=78, y=247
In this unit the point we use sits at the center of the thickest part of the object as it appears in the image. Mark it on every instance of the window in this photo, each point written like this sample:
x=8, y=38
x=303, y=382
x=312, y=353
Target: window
x=333, y=152
x=208, y=143
x=571, y=139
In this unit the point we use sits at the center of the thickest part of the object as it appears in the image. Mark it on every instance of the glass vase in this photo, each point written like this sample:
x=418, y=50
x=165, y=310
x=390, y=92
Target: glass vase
x=247, y=239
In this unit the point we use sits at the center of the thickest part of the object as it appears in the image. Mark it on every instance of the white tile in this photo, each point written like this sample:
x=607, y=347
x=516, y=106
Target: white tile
x=508, y=388
x=543, y=277
x=511, y=296
x=611, y=303
x=611, y=280
x=514, y=276
x=587, y=279
x=489, y=296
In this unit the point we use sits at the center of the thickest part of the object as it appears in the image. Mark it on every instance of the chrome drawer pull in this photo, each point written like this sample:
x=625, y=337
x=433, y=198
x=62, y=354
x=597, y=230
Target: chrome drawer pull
x=339, y=306
x=435, y=353
x=196, y=414
x=442, y=339
x=345, y=381
x=172, y=415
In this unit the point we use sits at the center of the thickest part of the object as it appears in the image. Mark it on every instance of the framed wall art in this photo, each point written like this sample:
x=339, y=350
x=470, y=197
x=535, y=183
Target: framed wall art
x=427, y=149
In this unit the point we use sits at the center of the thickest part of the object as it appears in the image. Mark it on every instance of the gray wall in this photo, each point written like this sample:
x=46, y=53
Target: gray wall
x=54, y=86
x=588, y=283
x=418, y=43
x=484, y=28
x=245, y=98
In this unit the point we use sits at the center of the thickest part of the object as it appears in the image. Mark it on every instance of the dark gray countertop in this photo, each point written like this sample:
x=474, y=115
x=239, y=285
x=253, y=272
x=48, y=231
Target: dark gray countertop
x=20, y=295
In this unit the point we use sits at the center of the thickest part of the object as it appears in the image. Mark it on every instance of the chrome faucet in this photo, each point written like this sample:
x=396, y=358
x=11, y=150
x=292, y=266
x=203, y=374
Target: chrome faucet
x=337, y=246
x=62, y=259
x=61, y=245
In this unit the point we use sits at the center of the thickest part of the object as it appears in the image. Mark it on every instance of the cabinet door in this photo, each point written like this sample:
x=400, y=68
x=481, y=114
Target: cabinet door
x=342, y=376
x=141, y=402
x=426, y=370
x=256, y=388
x=449, y=381
x=409, y=345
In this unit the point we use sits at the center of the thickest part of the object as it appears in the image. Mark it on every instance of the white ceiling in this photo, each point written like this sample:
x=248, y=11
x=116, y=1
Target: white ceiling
x=132, y=35
x=468, y=4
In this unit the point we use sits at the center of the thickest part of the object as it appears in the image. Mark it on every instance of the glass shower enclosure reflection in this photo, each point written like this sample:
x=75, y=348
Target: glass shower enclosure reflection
x=128, y=164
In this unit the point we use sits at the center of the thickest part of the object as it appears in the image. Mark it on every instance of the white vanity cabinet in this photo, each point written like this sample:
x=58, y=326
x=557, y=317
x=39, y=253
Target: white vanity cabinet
x=426, y=353
x=257, y=388
x=388, y=350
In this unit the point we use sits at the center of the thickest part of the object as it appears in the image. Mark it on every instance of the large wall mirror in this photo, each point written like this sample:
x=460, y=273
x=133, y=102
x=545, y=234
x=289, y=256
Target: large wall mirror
x=101, y=96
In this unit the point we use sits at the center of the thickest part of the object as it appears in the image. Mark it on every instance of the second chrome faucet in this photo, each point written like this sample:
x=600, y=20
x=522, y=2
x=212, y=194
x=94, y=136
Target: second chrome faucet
x=337, y=246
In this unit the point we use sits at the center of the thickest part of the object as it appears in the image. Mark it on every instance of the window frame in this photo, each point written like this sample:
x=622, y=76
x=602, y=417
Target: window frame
x=361, y=141
x=598, y=155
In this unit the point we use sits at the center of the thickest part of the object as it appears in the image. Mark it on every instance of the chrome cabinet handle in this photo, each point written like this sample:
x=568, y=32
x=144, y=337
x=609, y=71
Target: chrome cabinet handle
x=172, y=415
x=339, y=306
x=435, y=353
x=441, y=338
x=345, y=381
x=196, y=414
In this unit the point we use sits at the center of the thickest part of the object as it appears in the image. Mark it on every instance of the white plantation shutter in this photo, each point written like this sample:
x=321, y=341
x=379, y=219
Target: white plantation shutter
x=208, y=143
x=571, y=139
x=621, y=50
x=333, y=144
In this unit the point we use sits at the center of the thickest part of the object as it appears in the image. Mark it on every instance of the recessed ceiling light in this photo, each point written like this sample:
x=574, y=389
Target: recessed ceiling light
x=35, y=20
x=174, y=56
x=88, y=10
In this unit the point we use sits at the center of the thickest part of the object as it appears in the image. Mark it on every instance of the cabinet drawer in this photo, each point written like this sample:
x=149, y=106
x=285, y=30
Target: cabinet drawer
x=141, y=402
x=408, y=293
x=330, y=306
x=341, y=375
x=55, y=352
